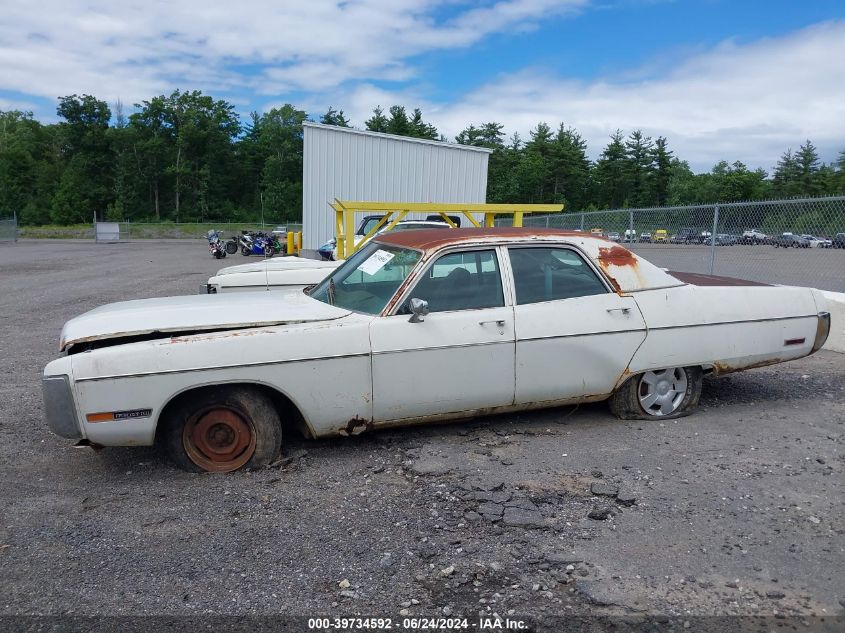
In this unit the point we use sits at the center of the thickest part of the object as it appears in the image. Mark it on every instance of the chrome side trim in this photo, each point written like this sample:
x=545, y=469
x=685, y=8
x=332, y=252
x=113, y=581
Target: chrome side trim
x=789, y=318
x=216, y=367
x=557, y=336
x=442, y=347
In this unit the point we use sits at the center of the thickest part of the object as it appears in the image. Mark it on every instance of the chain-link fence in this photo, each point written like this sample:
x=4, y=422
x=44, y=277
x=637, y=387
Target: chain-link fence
x=793, y=242
x=151, y=230
x=9, y=229
x=188, y=230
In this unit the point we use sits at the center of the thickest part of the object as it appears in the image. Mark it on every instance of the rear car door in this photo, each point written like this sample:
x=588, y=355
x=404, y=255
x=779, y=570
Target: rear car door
x=574, y=337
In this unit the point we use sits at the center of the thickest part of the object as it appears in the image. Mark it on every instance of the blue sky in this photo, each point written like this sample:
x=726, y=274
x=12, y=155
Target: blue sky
x=739, y=80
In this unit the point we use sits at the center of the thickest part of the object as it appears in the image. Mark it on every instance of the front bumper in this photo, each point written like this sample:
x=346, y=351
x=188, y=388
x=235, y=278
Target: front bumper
x=59, y=408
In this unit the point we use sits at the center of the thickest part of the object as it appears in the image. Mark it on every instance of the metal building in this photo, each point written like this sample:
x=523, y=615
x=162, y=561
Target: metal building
x=350, y=164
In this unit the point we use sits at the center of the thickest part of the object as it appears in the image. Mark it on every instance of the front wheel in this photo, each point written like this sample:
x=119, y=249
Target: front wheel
x=231, y=248
x=660, y=393
x=222, y=429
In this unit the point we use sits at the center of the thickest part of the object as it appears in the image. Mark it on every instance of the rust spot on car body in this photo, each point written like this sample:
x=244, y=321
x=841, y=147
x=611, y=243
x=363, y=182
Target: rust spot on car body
x=356, y=426
x=434, y=239
x=617, y=257
x=195, y=337
x=720, y=368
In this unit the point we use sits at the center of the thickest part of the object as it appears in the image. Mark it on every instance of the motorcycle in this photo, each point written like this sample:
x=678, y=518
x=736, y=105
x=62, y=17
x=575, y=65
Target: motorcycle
x=256, y=244
x=215, y=244
x=276, y=244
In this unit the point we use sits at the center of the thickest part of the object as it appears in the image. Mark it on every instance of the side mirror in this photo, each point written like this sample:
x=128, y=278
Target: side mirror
x=419, y=308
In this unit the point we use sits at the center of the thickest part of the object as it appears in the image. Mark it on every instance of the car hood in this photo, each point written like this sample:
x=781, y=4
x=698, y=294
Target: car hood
x=195, y=313
x=277, y=263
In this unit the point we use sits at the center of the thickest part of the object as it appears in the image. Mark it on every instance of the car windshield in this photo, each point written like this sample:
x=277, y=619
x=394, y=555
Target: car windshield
x=368, y=224
x=410, y=226
x=366, y=281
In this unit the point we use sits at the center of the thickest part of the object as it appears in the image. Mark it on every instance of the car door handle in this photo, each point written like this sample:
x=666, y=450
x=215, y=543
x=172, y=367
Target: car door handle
x=622, y=310
x=499, y=322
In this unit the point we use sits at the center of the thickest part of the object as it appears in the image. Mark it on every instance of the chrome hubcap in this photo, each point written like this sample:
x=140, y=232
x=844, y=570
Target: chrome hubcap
x=662, y=391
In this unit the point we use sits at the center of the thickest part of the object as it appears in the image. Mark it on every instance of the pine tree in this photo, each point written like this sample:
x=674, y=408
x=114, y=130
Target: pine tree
x=662, y=161
x=610, y=174
x=570, y=168
x=419, y=128
x=334, y=117
x=377, y=122
x=786, y=179
x=398, y=122
x=807, y=159
x=639, y=151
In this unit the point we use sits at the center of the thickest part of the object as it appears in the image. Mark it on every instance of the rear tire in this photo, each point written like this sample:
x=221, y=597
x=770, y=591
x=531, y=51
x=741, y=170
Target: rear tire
x=221, y=429
x=660, y=394
x=231, y=248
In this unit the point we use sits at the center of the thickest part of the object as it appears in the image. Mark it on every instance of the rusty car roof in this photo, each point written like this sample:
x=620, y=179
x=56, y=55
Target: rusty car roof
x=625, y=271
x=430, y=239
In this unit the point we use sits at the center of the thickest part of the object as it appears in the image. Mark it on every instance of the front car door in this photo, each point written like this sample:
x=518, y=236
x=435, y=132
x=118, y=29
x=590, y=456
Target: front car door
x=574, y=337
x=458, y=360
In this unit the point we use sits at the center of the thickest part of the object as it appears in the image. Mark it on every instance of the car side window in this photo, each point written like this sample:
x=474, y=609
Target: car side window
x=551, y=274
x=462, y=281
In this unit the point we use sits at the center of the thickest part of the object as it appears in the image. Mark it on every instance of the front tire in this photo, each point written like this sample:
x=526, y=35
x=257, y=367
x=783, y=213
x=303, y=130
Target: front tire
x=221, y=429
x=662, y=393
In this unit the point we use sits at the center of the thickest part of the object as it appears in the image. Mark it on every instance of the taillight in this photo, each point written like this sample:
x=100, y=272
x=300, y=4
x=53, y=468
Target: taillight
x=822, y=331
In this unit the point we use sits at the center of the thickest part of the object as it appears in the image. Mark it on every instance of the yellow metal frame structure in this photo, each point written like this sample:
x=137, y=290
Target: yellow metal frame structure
x=394, y=212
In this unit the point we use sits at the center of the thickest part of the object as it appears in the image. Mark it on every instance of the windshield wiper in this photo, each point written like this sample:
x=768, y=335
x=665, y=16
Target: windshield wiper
x=330, y=292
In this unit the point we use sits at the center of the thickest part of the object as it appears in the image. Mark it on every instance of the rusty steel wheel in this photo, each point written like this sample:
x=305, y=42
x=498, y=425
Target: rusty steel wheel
x=221, y=429
x=219, y=439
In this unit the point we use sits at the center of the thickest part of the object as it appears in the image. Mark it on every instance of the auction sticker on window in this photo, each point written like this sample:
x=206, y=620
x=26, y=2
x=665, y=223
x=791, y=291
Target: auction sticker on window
x=376, y=262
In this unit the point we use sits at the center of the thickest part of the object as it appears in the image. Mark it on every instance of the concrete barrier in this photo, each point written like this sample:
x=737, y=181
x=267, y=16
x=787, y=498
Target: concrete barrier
x=836, y=307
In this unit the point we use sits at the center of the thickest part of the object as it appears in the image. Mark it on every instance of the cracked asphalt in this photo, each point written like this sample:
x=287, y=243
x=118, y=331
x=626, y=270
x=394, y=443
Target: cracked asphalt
x=734, y=510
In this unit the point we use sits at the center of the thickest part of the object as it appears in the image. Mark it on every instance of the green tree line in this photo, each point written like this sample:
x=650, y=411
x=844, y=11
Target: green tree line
x=189, y=157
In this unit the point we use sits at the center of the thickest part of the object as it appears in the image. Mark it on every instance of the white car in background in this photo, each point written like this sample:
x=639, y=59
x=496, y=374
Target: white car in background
x=415, y=327
x=329, y=249
x=279, y=273
x=292, y=273
x=817, y=242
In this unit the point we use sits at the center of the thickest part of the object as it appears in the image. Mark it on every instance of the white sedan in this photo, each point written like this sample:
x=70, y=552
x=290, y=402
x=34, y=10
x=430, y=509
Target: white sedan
x=295, y=273
x=329, y=249
x=416, y=326
x=278, y=273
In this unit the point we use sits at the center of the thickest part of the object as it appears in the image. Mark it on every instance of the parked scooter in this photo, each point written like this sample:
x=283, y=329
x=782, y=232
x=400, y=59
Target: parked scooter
x=215, y=244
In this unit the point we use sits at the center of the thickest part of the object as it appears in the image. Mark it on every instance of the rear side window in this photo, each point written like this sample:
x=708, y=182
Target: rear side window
x=550, y=274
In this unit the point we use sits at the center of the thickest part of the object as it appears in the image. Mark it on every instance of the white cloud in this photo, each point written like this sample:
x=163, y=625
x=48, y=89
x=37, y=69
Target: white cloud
x=734, y=102
x=737, y=102
x=135, y=49
x=748, y=102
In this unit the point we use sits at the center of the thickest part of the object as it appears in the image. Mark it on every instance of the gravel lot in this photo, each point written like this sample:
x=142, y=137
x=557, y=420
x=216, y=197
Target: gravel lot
x=736, y=509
